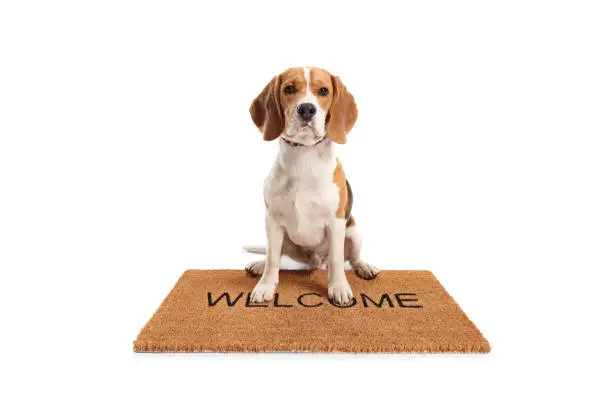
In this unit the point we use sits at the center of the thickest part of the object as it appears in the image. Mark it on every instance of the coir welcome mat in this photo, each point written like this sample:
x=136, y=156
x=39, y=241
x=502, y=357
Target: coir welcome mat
x=400, y=311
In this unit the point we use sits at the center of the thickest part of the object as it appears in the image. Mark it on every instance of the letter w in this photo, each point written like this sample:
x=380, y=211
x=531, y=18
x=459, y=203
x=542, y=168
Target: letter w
x=227, y=299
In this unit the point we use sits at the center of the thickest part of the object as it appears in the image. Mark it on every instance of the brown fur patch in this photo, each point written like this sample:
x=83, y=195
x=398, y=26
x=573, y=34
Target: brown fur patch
x=266, y=111
x=273, y=106
x=343, y=112
x=350, y=222
x=340, y=181
x=288, y=102
x=320, y=78
x=349, y=204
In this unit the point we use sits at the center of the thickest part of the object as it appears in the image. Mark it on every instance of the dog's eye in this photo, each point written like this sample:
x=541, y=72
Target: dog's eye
x=323, y=91
x=289, y=89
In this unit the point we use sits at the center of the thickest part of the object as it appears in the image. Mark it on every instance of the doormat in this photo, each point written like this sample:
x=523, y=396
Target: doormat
x=398, y=312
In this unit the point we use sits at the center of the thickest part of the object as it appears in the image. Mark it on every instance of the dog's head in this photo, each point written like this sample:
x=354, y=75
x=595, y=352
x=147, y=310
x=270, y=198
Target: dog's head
x=305, y=104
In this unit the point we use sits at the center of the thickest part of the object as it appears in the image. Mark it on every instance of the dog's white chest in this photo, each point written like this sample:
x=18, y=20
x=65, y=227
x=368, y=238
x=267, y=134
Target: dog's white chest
x=303, y=203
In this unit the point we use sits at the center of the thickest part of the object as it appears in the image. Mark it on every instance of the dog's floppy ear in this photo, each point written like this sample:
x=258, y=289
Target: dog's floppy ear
x=343, y=112
x=266, y=111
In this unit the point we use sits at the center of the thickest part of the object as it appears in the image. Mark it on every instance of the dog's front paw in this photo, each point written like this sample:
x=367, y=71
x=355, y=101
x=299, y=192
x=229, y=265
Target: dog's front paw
x=340, y=292
x=365, y=270
x=263, y=292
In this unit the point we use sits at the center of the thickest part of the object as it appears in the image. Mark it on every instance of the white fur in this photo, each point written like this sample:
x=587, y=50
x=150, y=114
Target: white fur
x=255, y=249
x=302, y=202
x=300, y=191
x=264, y=290
x=337, y=285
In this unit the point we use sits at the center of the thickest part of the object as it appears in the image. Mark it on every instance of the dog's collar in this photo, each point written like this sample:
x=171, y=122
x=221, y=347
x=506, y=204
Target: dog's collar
x=295, y=144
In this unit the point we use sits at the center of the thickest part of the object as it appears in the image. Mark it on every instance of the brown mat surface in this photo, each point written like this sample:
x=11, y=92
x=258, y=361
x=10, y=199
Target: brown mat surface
x=400, y=311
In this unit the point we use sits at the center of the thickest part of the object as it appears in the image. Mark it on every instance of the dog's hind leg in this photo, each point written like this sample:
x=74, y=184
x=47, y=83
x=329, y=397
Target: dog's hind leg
x=352, y=252
x=255, y=268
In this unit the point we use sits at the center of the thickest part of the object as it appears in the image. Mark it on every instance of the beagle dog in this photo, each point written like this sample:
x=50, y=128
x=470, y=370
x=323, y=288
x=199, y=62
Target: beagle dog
x=307, y=196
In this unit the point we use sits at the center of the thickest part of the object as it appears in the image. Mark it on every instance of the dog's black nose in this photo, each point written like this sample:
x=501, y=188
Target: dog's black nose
x=306, y=110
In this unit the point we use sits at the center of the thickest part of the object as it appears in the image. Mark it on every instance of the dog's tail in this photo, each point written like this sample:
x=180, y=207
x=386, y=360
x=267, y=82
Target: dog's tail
x=255, y=249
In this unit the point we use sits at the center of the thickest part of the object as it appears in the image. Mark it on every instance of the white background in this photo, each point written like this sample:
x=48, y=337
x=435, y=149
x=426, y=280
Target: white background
x=482, y=152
